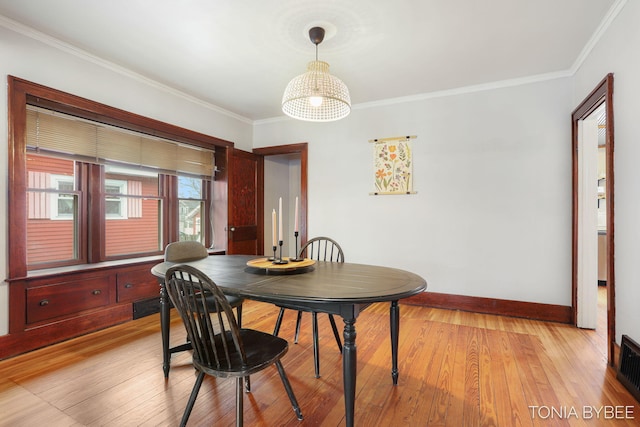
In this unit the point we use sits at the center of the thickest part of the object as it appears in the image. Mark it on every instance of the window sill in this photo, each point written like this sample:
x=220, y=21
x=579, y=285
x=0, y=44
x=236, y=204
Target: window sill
x=129, y=262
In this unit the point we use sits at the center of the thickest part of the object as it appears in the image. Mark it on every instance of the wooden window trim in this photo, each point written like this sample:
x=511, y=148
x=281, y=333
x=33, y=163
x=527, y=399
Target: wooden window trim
x=21, y=93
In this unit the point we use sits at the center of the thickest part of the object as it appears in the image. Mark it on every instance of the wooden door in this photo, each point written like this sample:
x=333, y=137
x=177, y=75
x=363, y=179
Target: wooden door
x=245, y=203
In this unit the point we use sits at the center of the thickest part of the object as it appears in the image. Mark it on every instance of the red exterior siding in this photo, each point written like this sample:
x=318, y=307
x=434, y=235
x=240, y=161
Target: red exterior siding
x=134, y=235
x=47, y=240
x=53, y=239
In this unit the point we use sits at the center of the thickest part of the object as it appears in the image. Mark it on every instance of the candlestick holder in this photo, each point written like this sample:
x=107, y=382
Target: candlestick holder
x=279, y=260
x=297, y=258
x=273, y=258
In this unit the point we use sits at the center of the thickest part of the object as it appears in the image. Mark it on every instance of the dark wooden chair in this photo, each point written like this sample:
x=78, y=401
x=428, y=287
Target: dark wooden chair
x=319, y=249
x=220, y=347
x=192, y=251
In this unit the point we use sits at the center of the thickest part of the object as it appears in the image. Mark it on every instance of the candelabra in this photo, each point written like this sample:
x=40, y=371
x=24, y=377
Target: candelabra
x=273, y=258
x=297, y=258
x=279, y=260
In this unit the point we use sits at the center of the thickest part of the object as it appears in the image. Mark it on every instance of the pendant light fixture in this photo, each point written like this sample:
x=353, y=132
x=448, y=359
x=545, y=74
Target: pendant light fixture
x=316, y=96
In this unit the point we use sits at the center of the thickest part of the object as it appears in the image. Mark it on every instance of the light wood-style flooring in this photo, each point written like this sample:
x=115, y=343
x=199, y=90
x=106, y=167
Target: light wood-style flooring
x=456, y=369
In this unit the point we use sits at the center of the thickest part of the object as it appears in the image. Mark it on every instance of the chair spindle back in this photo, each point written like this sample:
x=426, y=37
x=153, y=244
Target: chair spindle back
x=214, y=334
x=322, y=249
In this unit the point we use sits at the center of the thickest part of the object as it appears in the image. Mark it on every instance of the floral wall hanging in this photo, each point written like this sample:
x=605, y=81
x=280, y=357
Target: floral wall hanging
x=393, y=165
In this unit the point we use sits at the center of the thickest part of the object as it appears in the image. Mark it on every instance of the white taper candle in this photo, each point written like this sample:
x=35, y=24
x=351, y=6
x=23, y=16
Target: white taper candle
x=295, y=226
x=280, y=220
x=273, y=225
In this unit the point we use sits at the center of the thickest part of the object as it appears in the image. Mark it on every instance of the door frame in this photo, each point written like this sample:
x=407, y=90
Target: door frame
x=603, y=93
x=301, y=149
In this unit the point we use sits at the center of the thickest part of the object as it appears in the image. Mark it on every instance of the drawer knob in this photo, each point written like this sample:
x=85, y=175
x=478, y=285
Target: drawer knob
x=128, y=285
x=96, y=292
x=43, y=302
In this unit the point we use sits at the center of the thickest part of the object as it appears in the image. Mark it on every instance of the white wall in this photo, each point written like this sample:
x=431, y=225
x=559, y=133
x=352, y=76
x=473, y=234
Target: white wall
x=33, y=60
x=492, y=216
x=617, y=52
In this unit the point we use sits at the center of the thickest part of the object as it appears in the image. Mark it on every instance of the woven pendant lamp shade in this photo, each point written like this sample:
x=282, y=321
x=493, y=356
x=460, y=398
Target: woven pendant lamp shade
x=316, y=96
x=318, y=83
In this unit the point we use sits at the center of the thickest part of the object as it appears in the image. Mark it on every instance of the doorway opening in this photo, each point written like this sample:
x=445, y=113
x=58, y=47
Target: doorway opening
x=285, y=175
x=593, y=210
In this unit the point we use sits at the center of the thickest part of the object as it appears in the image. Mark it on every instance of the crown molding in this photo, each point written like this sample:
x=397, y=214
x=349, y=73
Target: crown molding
x=82, y=54
x=442, y=93
x=595, y=38
x=466, y=89
x=60, y=45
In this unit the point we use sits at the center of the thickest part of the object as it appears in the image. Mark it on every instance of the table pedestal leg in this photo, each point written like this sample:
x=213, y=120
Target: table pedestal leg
x=316, y=344
x=394, y=318
x=349, y=359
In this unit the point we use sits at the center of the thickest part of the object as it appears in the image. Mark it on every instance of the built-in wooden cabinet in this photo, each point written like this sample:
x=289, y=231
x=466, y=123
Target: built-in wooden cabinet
x=52, y=298
x=51, y=306
x=136, y=284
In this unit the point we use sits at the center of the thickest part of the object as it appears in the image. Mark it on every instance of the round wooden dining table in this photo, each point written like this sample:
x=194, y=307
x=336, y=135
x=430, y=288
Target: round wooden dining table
x=343, y=289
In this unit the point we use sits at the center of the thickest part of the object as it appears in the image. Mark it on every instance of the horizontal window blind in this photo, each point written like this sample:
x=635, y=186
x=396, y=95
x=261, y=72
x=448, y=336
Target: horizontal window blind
x=59, y=134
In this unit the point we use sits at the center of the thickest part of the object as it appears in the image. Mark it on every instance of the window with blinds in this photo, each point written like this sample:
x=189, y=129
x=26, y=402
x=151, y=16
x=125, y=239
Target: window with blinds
x=62, y=135
x=89, y=183
x=142, y=180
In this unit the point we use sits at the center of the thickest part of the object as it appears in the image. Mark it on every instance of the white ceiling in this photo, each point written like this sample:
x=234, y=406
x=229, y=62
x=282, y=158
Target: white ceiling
x=240, y=54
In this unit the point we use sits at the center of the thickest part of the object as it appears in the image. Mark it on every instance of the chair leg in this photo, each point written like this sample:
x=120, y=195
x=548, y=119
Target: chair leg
x=276, y=330
x=239, y=320
x=316, y=346
x=287, y=387
x=335, y=332
x=298, y=321
x=239, y=401
x=239, y=315
x=192, y=399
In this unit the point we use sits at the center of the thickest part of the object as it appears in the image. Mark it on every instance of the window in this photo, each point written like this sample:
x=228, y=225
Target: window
x=115, y=206
x=64, y=202
x=133, y=211
x=130, y=166
x=51, y=196
x=191, y=201
x=53, y=218
x=85, y=191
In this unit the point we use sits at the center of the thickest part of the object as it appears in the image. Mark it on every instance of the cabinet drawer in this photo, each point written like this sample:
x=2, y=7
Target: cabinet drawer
x=136, y=285
x=59, y=299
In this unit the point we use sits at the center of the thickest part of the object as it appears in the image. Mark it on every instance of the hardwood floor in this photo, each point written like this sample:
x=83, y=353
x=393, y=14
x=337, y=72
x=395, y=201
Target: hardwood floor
x=456, y=369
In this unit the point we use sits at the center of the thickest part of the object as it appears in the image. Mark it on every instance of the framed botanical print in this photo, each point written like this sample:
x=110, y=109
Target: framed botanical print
x=393, y=165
